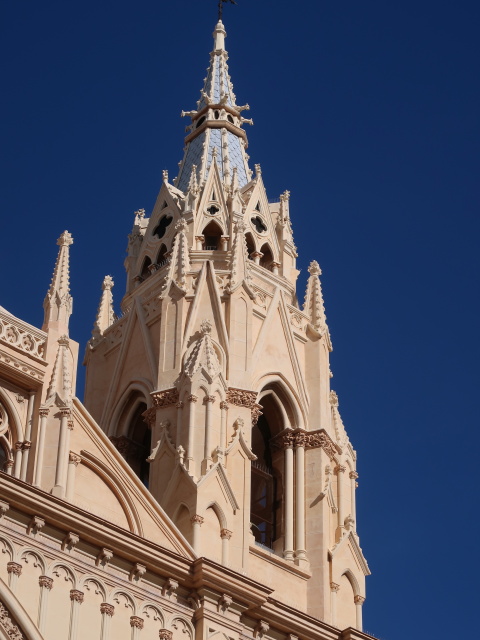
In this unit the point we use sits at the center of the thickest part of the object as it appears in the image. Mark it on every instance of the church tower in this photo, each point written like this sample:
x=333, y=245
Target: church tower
x=214, y=383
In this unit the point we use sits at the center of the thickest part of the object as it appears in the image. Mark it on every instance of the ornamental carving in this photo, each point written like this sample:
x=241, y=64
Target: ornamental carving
x=76, y=596
x=15, y=334
x=149, y=416
x=353, y=475
x=241, y=397
x=136, y=622
x=164, y=634
x=225, y=534
x=125, y=446
x=256, y=413
x=74, y=459
x=196, y=520
x=45, y=582
x=359, y=600
x=165, y=398
x=224, y=405
x=308, y=439
x=192, y=398
x=15, y=568
x=107, y=609
x=11, y=629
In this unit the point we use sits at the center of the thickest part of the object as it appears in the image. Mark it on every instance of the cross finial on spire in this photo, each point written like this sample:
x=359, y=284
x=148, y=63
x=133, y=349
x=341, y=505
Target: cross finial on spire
x=220, y=7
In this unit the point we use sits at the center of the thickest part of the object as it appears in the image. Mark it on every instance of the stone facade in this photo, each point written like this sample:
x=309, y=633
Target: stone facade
x=206, y=487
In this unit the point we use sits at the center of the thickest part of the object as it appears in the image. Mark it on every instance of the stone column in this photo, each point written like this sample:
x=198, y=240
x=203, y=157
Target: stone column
x=137, y=625
x=197, y=522
x=107, y=611
x=63, y=447
x=300, y=552
x=225, y=535
x=77, y=598
x=179, y=407
x=224, y=242
x=40, y=446
x=46, y=585
x=9, y=465
x=353, y=475
x=14, y=571
x=334, y=587
x=275, y=267
x=199, y=240
x=340, y=470
x=256, y=255
x=191, y=426
x=207, y=448
x=223, y=424
x=28, y=436
x=288, y=551
x=73, y=462
x=359, y=600
x=18, y=460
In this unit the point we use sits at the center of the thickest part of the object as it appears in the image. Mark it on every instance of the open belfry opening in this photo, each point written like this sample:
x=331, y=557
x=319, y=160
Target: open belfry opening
x=206, y=485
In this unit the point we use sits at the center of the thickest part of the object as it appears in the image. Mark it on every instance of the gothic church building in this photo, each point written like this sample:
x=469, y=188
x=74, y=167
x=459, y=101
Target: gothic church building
x=205, y=488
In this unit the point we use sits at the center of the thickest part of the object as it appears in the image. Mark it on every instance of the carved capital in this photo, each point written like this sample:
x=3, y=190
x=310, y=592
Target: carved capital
x=224, y=405
x=164, y=634
x=43, y=411
x=45, y=582
x=15, y=568
x=359, y=600
x=353, y=475
x=340, y=469
x=334, y=586
x=208, y=399
x=107, y=609
x=165, y=398
x=136, y=622
x=26, y=445
x=65, y=412
x=179, y=405
x=18, y=446
x=225, y=534
x=74, y=458
x=76, y=596
x=196, y=519
x=192, y=398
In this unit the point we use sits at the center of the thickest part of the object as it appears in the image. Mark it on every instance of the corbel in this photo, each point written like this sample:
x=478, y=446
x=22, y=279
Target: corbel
x=224, y=602
x=137, y=572
x=261, y=629
x=4, y=507
x=194, y=600
x=70, y=541
x=104, y=556
x=35, y=525
x=169, y=588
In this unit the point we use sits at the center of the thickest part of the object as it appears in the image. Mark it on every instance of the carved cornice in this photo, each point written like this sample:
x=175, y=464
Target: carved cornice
x=241, y=397
x=165, y=398
x=308, y=439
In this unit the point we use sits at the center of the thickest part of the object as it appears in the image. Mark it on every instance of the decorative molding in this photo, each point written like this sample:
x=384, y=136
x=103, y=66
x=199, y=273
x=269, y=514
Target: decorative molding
x=308, y=439
x=35, y=525
x=15, y=568
x=76, y=596
x=15, y=334
x=241, y=397
x=45, y=582
x=11, y=629
x=107, y=609
x=165, y=398
x=104, y=556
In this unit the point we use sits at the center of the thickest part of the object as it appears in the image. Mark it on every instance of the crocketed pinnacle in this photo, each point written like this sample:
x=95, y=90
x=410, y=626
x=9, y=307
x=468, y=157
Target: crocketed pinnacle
x=58, y=301
x=313, y=305
x=203, y=355
x=216, y=126
x=105, y=314
x=60, y=387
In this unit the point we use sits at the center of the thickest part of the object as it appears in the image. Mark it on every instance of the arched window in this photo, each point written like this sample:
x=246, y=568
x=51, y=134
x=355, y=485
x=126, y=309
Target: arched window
x=161, y=228
x=6, y=452
x=250, y=244
x=212, y=233
x=135, y=444
x=267, y=259
x=267, y=476
x=145, y=268
x=161, y=257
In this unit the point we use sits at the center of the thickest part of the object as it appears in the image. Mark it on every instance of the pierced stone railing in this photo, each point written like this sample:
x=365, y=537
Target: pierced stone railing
x=25, y=338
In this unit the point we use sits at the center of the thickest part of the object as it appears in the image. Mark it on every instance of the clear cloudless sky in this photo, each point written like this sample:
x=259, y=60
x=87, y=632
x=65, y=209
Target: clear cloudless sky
x=368, y=112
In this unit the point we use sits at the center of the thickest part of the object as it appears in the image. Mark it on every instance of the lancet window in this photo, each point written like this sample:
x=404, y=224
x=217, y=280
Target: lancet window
x=212, y=234
x=6, y=453
x=266, y=260
x=135, y=444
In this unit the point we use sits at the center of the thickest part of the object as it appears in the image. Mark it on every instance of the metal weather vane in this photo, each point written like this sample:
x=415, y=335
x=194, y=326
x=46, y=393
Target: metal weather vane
x=220, y=7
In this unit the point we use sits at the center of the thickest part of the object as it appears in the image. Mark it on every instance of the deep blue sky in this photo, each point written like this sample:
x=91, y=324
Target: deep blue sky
x=368, y=113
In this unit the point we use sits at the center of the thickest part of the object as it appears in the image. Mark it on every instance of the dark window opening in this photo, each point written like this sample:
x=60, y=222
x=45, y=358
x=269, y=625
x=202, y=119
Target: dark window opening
x=161, y=228
x=257, y=208
x=217, y=115
x=136, y=446
x=200, y=122
x=164, y=205
x=145, y=268
x=161, y=258
x=250, y=245
x=230, y=119
x=212, y=233
x=264, y=502
x=266, y=260
x=212, y=210
x=259, y=224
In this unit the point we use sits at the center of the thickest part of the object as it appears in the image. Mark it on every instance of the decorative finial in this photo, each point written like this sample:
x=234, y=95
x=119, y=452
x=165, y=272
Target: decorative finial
x=65, y=240
x=205, y=327
x=107, y=283
x=165, y=175
x=314, y=269
x=220, y=7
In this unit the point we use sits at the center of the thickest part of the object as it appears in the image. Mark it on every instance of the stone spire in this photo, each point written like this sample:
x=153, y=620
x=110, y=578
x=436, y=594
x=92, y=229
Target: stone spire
x=105, y=313
x=313, y=305
x=179, y=261
x=216, y=124
x=58, y=301
x=60, y=388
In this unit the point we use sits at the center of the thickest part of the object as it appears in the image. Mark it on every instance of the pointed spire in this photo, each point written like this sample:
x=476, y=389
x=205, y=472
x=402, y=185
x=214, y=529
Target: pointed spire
x=105, y=314
x=313, y=305
x=179, y=261
x=60, y=388
x=217, y=122
x=58, y=301
x=239, y=267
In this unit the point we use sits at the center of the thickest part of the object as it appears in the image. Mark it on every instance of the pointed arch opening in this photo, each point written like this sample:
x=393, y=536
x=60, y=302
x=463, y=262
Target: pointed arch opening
x=135, y=442
x=145, y=272
x=250, y=245
x=212, y=234
x=162, y=226
x=266, y=260
x=162, y=256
